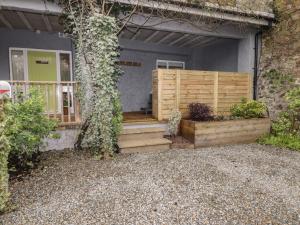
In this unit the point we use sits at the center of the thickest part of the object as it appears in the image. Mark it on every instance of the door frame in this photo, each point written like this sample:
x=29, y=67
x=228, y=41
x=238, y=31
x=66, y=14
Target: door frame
x=25, y=57
x=58, y=75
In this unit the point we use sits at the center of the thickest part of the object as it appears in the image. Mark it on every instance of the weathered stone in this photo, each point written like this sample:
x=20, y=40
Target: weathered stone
x=280, y=51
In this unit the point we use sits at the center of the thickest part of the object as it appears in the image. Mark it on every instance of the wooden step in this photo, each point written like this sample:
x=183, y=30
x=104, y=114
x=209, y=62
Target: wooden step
x=141, y=136
x=144, y=145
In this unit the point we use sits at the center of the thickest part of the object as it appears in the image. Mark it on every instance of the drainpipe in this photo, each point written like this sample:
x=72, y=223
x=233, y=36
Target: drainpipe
x=256, y=63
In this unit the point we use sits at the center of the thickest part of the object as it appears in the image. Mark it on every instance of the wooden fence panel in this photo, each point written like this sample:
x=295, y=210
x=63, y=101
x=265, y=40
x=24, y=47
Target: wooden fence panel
x=176, y=89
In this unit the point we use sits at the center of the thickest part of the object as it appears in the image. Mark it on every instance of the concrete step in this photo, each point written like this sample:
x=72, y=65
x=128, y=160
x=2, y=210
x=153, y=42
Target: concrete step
x=144, y=145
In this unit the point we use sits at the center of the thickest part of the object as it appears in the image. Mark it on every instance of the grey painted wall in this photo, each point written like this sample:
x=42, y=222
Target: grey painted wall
x=222, y=56
x=136, y=83
x=27, y=39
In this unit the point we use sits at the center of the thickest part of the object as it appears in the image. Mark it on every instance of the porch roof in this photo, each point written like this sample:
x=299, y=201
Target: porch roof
x=43, y=15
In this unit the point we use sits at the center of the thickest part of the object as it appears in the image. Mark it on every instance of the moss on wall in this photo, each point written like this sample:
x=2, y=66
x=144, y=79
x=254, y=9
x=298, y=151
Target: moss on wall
x=280, y=51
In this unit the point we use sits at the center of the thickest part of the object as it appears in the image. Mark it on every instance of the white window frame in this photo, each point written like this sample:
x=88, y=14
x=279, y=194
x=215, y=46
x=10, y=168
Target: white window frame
x=25, y=56
x=58, y=75
x=168, y=62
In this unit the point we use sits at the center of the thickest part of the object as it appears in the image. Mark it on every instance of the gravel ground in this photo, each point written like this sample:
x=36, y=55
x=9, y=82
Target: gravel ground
x=242, y=184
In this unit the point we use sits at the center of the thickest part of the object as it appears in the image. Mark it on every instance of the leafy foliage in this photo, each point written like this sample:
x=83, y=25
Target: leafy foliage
x=249, y=109
x=278, y=79
x=96, y=68
x=26, y=127
x=173, y=122
x=286, y=129
x=4, y=151
x=200, y=112
x=283, y=141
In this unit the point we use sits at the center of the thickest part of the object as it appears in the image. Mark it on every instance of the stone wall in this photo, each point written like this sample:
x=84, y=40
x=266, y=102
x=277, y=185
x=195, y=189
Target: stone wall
x=280, y=51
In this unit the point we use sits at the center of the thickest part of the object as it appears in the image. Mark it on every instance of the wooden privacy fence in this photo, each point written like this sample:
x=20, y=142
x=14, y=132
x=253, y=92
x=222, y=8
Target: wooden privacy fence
x=176, y=89
x=59, y=97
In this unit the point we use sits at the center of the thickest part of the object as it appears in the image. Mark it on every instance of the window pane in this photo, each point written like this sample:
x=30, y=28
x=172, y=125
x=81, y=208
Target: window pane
x=176, y=65
x=17, y=62
x=161, y=65
x=65, y=69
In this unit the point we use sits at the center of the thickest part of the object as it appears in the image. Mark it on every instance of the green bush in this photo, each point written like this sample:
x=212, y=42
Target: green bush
x=283, y=141
x=249, y=109
x=26, y=127
x=285, y=130
x=4, y=151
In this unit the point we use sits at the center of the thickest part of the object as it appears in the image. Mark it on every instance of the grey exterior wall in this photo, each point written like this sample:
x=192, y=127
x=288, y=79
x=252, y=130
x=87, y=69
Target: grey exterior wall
x=27, y=39
x=222, y=56
x=135, y=85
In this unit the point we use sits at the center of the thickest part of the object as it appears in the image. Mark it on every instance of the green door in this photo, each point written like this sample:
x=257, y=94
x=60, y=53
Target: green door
x=42, y=67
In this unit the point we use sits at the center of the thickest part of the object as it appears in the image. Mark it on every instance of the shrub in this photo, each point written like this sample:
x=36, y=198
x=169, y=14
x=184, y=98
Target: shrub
x=249, y=109
x=26, y=127
x=285, y=130
x=283, y=141
x=173, y=122
x=4, y=151
x=200, y=112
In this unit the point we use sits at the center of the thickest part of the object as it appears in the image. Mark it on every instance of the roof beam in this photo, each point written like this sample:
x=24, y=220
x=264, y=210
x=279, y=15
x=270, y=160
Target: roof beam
x=135, y=35
x=179, y=39
x=151, y=36
x=47, y=23
x=190, y=41
x=5, y=22
x=205, y=41
x=24, y=20
x=166, y=37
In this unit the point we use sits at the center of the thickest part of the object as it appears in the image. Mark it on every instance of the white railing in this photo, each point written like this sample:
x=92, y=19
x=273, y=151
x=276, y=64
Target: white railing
x=60, y=98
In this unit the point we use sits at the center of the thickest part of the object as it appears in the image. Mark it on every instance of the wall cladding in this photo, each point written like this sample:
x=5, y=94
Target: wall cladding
x=280, y=51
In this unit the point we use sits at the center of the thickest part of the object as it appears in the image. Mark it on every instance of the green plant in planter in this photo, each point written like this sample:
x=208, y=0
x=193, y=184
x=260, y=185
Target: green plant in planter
x=249, y=109
x=26, y=127
x=200, y=112
x=173, y=123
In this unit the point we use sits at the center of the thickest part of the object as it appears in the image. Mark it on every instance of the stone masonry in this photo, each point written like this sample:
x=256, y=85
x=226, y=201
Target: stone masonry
x=280, y=51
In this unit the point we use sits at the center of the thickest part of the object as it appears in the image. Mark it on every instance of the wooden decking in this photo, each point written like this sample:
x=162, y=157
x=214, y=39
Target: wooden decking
x=133, y=117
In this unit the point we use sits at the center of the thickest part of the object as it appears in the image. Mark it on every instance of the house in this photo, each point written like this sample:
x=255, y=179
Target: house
x=34, y=51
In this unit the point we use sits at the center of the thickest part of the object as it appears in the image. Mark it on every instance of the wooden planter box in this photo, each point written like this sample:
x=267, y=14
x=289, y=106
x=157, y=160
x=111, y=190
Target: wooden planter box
x=214, y=133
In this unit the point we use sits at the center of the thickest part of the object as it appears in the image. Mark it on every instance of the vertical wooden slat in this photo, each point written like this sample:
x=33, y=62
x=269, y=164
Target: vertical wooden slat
x=76, y=104
x=178, y=77
x=61, y=94
x=216, y=92
x=250, y=87
x=55, y=98
x=47, y=99
x=159, y=93
x=69, y=105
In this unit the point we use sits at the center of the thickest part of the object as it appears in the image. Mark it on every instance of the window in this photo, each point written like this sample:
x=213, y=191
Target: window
x=65, y=67
x=17, y=65
x=166, y=64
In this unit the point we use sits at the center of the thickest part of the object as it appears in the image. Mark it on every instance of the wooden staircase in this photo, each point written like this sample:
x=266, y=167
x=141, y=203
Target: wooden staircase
x=143, y=137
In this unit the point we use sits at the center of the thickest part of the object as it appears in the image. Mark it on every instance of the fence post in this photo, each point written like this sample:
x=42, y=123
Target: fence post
x=178, y=77
x=216, y=92
x=250, y=87
x=159, y=94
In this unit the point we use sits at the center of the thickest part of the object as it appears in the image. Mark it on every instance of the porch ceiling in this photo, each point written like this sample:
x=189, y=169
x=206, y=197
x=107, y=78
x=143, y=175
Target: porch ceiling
x=29, y=21
x=176, y=39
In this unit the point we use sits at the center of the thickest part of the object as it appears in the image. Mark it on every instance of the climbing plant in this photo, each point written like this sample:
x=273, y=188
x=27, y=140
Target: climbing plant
x=4, y=152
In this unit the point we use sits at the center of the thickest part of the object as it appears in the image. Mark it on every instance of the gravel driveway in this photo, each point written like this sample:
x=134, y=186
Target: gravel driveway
x=242, y=184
